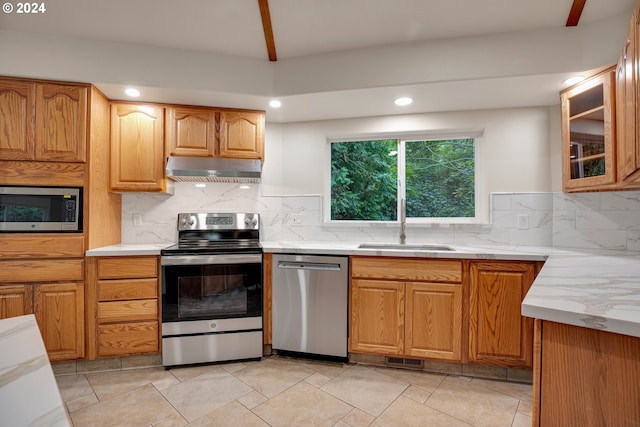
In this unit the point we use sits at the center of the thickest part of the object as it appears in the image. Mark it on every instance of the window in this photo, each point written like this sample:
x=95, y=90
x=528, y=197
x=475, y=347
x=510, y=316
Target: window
x=436, y=178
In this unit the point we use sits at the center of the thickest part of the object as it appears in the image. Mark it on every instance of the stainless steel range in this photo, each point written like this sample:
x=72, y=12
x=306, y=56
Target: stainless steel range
x=212, y=290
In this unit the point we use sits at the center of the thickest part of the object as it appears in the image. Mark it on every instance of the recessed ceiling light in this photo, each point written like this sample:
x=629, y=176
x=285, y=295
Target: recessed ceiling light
x=244, y=187
x=130, y=91
x=573, y=80
x=200, y=185
x=403, y=101
x=274, y=103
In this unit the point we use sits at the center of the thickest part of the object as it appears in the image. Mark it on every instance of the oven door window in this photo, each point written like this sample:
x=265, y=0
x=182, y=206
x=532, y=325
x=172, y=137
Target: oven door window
x=201, y=292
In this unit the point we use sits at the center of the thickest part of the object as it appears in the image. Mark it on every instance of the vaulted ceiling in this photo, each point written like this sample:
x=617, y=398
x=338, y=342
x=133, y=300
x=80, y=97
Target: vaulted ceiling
x=360, y=37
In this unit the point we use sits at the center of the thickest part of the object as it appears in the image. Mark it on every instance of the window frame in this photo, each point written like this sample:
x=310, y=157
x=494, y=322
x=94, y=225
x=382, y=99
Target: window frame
x=481, y=205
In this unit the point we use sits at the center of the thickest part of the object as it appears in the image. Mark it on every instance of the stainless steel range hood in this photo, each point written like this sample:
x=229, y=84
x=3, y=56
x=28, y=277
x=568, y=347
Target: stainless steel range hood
x=208, y=169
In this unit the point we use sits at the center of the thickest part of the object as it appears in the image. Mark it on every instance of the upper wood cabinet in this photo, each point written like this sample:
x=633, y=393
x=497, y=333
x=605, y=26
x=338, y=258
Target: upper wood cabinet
x=61, y=123
x=498, y=334
x=43, y=121
x=242, y=134
x=191, y=131
x=626, y=96
x=17, y=120
x=588, y=133
x=137, y=148
x=209, y=132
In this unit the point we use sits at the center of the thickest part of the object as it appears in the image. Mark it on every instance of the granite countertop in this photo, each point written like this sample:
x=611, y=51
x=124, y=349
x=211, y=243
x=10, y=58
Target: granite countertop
x=593, y=289
x=29, y=394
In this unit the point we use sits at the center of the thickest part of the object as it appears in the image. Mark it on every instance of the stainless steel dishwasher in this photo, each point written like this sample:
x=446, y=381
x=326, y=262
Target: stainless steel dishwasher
x=310, y=303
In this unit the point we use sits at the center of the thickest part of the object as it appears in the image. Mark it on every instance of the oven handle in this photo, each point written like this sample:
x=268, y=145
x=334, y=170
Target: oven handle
x=210, y=259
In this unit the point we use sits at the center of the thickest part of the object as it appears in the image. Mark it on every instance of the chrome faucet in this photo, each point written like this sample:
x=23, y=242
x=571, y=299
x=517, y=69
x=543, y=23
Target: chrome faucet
x=403, y=221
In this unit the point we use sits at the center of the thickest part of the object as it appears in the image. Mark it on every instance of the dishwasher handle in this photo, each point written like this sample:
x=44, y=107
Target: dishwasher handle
x=323, y=266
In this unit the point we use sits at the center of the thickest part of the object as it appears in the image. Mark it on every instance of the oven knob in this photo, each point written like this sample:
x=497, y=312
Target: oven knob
x=213, y=325
x=188, y=221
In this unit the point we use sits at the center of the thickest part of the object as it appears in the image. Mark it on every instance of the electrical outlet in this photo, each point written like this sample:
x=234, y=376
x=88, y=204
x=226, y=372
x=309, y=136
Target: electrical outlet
x=523, y=221
x=296, y=219
x=137, y=220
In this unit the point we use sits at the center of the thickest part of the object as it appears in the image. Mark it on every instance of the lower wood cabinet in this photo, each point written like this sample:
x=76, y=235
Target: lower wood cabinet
x=43, y=274
x=433, y=320
x=442, y=309
x=498, y=334
x=406, y=307
x=16, y=300
x=585, y=377
x=124, y=296
x=58, y=306
x=377, y=316
x=59, y=310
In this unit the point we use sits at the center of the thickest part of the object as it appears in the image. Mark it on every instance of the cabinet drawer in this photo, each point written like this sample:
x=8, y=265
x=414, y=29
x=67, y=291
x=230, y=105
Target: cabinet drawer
x=42, y=246
x=407, y=269
x=126, y=289
x=127, y=311
x=124, y=267
x=128, y=338
x=53, y=270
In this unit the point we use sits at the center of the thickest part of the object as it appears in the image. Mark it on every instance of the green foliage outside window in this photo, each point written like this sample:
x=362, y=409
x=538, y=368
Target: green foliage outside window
x=364, y=181
x=439, y=179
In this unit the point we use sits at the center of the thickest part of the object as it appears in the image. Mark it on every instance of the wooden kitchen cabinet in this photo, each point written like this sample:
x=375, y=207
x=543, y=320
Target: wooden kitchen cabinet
x=191, y=131
x=16, y=300
x=61, y=123
x=588, y=133
x=43, y=121
x=407, y=307
x=242, y=134
x=137, y=148
x=59, y=310
x=498, y=334
x=377, y=316
x=585, y=377
x=434, y=320
x=53, y=290
x=124, y=297
x=215, y=132
x=627, y=93
x=18, y=119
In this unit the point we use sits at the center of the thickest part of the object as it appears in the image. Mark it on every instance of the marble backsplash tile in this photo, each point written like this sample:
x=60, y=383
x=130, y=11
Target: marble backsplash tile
x=585, y=220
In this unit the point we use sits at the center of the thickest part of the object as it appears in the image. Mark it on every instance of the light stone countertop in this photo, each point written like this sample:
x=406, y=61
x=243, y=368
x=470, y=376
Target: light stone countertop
x=589, y=288
x=29, y=394
x=123, y=249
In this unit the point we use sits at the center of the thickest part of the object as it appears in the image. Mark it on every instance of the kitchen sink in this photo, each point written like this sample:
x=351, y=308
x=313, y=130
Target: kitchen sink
x=405, y=247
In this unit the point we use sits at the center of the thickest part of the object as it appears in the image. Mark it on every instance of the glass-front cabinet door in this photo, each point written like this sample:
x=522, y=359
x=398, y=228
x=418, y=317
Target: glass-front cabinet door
x=588, y=145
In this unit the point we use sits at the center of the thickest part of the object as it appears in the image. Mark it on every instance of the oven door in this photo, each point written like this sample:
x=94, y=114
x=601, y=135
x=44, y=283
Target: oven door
x=207, y=287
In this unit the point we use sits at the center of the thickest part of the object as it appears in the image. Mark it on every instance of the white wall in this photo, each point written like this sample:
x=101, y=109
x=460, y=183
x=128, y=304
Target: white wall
x=514, y=152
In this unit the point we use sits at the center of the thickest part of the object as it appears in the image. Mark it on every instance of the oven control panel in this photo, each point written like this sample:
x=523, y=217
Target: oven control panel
x=218, y=221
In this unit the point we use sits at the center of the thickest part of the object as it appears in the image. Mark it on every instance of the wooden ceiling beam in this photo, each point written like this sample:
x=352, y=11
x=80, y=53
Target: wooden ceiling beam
x=575, y=12
x=268, y=30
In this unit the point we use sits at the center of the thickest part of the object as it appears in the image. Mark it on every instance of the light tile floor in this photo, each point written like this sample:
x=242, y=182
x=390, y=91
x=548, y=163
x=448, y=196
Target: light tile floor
x=279, y=391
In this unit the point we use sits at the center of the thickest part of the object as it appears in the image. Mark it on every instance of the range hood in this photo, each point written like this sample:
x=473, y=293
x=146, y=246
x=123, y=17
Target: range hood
x=209, y=169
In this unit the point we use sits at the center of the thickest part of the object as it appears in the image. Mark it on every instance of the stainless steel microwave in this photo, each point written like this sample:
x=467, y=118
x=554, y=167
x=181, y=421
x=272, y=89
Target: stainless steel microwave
x=40, y=209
